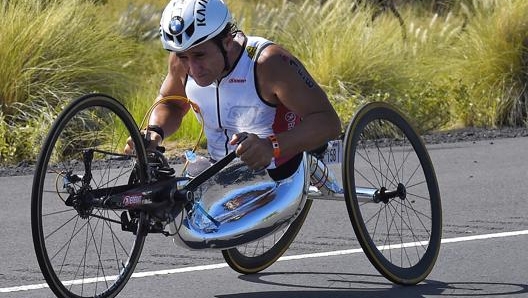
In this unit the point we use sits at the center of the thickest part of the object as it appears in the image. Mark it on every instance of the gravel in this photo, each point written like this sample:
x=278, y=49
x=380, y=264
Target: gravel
x=451, y=136
x=474, y=134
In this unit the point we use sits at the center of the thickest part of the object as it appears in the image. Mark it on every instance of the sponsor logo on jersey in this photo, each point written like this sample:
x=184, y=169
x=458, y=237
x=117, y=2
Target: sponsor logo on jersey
x=251, y=51
x=236, y=81
x=290, y=118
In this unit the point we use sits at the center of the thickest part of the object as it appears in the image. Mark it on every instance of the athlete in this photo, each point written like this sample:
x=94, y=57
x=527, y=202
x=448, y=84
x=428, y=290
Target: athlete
x=255, y=96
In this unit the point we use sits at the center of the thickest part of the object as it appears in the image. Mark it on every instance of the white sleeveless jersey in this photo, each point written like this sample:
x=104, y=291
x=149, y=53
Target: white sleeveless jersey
x=233, y=105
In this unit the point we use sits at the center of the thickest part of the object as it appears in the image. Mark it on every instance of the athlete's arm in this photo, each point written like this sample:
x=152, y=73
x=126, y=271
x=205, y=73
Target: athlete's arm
x=167, y=115
x=282, y=79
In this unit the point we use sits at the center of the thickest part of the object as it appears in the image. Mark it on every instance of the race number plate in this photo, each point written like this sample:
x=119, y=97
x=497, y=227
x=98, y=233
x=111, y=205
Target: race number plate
x=334, y=152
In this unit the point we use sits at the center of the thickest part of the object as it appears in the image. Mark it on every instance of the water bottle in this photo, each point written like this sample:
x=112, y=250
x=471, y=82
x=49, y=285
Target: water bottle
x=195, y=163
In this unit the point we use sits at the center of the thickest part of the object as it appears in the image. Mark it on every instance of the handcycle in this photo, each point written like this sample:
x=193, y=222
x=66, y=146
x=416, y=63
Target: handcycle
x=92, y=206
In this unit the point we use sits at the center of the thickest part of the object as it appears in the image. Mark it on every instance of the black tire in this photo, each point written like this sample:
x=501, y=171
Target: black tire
x=257, y=256
x=83, y=251
x=384, y=152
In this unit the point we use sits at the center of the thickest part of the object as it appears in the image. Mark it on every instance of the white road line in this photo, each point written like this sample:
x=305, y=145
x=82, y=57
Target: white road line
x=285, y=258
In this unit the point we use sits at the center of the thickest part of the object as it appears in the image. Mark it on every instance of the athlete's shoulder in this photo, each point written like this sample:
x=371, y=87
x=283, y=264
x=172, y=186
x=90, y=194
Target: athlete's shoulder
x=276, y=58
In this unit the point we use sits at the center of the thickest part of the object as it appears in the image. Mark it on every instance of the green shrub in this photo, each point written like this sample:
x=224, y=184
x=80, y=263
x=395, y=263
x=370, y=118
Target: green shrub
x=462, y=68
x=22, y=134
x=488, y=63
x=61, y=50
x=55, y=52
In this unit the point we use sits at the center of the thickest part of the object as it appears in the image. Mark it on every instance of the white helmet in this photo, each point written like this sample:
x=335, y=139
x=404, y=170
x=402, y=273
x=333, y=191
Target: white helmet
x=188, y=23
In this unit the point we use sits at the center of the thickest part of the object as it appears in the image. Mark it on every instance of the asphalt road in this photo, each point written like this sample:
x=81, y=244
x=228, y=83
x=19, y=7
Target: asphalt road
x=484, y=188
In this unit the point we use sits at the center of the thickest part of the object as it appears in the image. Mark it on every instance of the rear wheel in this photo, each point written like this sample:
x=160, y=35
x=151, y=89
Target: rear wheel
x=399, y=226
x=259, y=255
x=85, y=251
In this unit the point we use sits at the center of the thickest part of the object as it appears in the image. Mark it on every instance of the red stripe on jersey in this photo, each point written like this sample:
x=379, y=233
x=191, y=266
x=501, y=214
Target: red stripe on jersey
x=284, y=120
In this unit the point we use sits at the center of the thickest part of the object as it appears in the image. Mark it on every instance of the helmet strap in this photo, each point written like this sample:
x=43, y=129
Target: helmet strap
x=218, y=42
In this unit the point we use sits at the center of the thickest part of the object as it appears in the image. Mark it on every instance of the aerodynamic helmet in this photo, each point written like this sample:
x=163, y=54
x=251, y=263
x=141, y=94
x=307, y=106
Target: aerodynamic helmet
x=188, y=23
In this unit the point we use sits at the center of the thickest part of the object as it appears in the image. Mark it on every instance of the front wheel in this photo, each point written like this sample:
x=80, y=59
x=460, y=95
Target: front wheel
x=84, y=250
x=392, y=194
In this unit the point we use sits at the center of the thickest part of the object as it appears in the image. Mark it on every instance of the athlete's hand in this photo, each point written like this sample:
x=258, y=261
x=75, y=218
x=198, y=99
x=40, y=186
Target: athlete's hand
x=255, y=152
x=153, y=140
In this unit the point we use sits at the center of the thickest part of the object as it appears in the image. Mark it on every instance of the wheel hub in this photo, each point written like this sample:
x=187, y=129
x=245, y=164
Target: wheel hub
x=382, y=195
x=81, y=205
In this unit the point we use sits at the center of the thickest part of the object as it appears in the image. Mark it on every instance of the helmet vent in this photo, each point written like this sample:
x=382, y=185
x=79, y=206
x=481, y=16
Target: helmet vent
x=190, y=30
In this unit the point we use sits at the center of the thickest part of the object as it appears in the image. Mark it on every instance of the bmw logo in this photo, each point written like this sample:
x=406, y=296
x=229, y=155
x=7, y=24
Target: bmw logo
x=176, y=25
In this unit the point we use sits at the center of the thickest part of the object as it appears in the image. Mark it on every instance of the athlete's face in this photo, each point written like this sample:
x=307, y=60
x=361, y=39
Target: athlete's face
x=204, y=63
